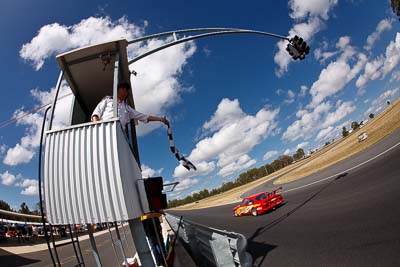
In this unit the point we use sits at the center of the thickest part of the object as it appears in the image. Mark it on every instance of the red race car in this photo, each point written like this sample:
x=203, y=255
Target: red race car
x=258, y=203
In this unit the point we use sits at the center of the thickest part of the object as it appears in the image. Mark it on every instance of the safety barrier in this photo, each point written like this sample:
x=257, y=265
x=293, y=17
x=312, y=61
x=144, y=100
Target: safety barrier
x=209, y=246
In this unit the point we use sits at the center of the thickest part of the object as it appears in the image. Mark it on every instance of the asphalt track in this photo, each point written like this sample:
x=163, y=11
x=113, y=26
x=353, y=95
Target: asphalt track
x=345, y=215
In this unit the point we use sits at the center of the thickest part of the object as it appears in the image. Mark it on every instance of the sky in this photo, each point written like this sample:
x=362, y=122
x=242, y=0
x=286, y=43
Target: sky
x=235, y=102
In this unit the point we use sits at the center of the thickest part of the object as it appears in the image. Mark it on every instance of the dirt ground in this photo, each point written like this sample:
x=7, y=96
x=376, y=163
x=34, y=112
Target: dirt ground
x=377, y=128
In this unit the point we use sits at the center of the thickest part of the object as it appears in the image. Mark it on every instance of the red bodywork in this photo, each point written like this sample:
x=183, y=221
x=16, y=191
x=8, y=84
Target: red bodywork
x=258, y=203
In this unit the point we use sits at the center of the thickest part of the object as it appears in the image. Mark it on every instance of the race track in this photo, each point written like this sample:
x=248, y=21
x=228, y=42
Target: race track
x=345, y=215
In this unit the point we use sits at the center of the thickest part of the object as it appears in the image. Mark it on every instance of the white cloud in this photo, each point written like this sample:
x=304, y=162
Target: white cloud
x=306, y=30
x=342, y=110
x=27, y=182
x=287, y=152
x=185, y=184
x=312, y=121
x=303, y=90
x=312, y=13
x=380, y=103
x=301, y=9
x=306, y=126
x=270, y=154
x=395, y=76
x=203, y=168
x=370, y=72
x=31, y=190
x=290, y=97
x=331, y=132
x=231, y=134
x=227, y=111
x=149, y=172
x=24, y=151
x=7, y=178
x=3, y=149
x=323, y=56
x=392, y=56
x=302, y=145
x=156, y=86
x=381, y=65
x=55, y=38
x=279, y=91
x=383, y=25
x=243, y=162
x=17, y=155
x=337, y=74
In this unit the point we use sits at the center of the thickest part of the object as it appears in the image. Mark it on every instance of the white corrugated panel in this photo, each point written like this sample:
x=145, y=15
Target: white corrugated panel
x=91, y=176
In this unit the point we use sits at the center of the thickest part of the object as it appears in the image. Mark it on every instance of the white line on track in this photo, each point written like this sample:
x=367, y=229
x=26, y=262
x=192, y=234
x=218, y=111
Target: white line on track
x=352, y=168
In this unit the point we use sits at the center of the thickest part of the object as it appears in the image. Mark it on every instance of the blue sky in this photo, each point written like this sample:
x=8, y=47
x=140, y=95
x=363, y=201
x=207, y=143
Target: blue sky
x=232, y=100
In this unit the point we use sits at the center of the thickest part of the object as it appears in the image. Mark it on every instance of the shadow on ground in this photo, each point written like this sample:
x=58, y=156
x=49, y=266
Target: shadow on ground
x=259, y=250
x=14, y=260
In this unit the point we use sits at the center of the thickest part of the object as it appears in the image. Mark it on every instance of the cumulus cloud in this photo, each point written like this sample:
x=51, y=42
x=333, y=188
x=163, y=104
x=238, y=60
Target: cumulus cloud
x=303, y=90
x=370, y=72
x=342, y=110
x=270, y=154
x=381, y=65
x=30, y=191
x=331, y=132
x=309, y=16
x=338, y=73
x=156, y=87
x=7, y=178
x=306, y=125
x=185, y=183
x=55, y=38
x=24, y=151
x=149, y=172
x=379, y=104
x=395, y=76
x=290, y=97
x=203, y=168
x=312, y=121
x=230, y=135
x=243, y=162
x=30, y=185
x=383, y=25
x=302, y=145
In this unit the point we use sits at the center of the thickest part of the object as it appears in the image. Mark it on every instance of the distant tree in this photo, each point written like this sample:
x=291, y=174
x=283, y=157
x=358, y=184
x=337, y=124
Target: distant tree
x=395, y=4
x=371, y=116
x=345, y=132
x=5, y=206
x=299, y=154
x=327, y=143
x=355, y=125
x=24, y=208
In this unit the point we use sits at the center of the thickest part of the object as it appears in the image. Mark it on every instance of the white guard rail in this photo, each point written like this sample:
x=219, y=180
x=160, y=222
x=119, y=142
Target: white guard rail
x=210, y=246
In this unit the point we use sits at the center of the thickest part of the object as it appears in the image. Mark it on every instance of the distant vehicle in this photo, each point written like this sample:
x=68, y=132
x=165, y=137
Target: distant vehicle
x=12, y=232
x=258, y=203
x=362, y=137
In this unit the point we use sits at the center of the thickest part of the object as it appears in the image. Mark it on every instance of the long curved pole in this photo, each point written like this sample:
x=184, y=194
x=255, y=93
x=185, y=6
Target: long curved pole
x=209, y=32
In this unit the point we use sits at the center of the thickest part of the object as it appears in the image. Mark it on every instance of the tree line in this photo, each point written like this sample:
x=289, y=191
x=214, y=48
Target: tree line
x=244, y=178
x=23, y=209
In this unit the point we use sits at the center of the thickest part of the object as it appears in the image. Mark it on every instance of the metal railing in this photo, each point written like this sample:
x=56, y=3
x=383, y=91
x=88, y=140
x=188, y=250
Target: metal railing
x=209, y=246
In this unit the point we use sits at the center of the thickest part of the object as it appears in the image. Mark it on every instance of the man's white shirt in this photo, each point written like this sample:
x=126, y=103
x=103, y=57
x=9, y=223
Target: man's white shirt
x=104, y=110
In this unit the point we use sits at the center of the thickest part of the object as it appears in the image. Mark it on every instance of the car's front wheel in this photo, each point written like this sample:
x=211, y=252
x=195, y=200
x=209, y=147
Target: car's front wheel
x=235, y=213
x=254, y=212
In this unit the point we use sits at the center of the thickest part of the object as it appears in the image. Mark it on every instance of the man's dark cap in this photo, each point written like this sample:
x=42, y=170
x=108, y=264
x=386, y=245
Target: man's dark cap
x=124, y=84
